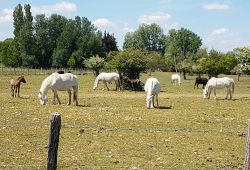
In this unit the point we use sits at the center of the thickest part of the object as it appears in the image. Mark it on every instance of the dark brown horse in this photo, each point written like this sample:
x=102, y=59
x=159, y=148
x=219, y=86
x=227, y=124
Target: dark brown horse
x=15, y=85
x=200, y=80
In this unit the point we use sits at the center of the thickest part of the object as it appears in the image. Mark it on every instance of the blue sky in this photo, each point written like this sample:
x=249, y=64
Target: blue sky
x=222, y=24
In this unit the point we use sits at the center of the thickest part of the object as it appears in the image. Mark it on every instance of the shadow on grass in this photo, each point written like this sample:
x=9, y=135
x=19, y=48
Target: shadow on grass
x=83, y=105
x=23, y=97
x=164, y=107
x=223, y=99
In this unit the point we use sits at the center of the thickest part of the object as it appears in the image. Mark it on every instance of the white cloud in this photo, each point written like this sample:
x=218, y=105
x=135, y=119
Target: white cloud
x=225, y=40
x=6, y=15
x=103, y=22
x=216, y=6
x=164, y=20
x=127, y=29
x=157, y=17
x=220, y=31
x=62, y=7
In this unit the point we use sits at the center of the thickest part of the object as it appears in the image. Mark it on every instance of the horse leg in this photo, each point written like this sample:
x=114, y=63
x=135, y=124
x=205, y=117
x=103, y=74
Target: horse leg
x=231, y=93
x=156, y=97
x=153, y=101
x=15, y=89
x=215, y=97
x=116, y=85
x=227, y=93
x=12, y=90
x=209, y=93
x=18, y=91
x=105, y=83
x=56, y=97
x=69, y=93
x=75, y=95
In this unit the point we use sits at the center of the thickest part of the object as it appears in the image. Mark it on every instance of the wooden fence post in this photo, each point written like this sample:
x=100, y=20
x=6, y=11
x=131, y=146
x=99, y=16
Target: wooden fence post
x=247, y=158
x=55, y=126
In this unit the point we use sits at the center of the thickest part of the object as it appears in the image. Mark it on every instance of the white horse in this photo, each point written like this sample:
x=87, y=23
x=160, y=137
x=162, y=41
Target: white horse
x=152, y=87
x=107, y=78
x=61, y=82
x=175, y=78
x=218, y=83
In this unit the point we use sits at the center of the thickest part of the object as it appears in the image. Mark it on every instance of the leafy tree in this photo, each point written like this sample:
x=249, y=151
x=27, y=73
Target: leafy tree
x=9, y=52
x=109, y=42
x=18, y=19
x=147, y=37
x=217, y=63
x=181, y=45
x=243, y=56
x=129, y=63
x=95, y=63
x=66, y=45
x=154, y=61
x=43, y=41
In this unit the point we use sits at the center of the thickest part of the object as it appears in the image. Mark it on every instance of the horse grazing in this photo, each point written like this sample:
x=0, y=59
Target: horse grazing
x=59, y=82
x=175, y=78
x=219, y=83
x=132, y=84
x=107, y=78
x=152, y=87
x=200, y=80
x=15, y=85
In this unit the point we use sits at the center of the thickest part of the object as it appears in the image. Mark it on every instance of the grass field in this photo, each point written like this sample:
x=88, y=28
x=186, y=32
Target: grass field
x=114, y=130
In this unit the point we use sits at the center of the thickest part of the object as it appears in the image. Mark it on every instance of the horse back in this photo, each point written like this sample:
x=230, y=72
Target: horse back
x=63, y=81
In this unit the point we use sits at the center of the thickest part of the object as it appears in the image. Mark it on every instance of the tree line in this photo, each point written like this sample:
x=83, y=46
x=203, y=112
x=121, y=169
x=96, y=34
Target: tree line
x=59, y=42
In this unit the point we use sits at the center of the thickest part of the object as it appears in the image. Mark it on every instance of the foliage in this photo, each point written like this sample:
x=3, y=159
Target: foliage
x=54, y=41
x=129, y=63
x=217, y=63
x=243, y=56
x=181, y=46
x=147, y=37
x=95, y=63
x=154, y=61
x=109, y=42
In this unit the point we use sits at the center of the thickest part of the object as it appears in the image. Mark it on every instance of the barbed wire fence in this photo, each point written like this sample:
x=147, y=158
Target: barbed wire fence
x=118, y=129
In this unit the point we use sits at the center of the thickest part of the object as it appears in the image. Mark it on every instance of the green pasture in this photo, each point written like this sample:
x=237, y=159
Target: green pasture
x=114, y=130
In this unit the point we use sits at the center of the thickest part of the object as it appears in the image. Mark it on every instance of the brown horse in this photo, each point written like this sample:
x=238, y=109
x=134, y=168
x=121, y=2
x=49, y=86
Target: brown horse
x=15, y=85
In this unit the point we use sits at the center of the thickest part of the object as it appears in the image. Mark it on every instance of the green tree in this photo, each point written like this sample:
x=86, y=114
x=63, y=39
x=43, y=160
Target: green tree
x=181, y=46
x=147, y=37
x=129, y=63
x=109, y=42
x=243, y=56
x=154, y=61
x=18, y=19
x=95, y=63
x=66, y=45
x=217, y=63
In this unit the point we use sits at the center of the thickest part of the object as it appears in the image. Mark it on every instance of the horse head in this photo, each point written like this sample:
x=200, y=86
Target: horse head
x=205, y=93
x=149, y=100
x=23, y=80
x=42, y=98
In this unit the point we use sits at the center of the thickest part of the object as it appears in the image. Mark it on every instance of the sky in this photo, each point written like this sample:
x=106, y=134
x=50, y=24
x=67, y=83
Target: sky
x=222, y=24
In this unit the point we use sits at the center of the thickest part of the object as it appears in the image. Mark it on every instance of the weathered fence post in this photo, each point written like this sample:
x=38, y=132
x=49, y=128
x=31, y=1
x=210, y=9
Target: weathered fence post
x=55, y=126
x=247, y=159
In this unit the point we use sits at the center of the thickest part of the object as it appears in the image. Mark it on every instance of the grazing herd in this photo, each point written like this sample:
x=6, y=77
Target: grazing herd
x=60, y=81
